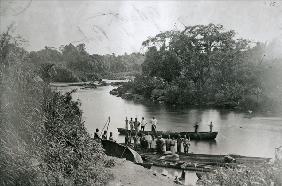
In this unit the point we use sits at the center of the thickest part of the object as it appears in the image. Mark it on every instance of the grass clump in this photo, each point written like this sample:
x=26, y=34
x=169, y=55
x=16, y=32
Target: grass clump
x=265, y=175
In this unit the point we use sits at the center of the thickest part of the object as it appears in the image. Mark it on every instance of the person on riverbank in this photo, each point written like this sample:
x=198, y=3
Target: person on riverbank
x=179, y=142
x=149, y=139
x=97, y=135
x=167, y=142
x=211, y=126
x=135, y=141
x=143, y=124
x=172, y=146
x=131, y=124
x=126, y=123
x=196, y=126
x=160, y=145
x=105, y=136
x=154, y=123
x=186, y=144
x=143, y=142
x=127, y=139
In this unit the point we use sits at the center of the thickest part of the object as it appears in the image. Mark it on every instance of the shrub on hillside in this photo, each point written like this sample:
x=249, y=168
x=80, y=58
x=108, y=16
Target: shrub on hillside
x=62, y=74
x=43, y=140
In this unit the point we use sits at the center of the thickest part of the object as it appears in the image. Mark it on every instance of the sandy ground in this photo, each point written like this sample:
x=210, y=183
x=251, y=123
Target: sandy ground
x=127, y=173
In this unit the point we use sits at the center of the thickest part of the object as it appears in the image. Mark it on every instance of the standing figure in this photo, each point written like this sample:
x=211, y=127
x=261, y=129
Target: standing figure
x=126, y=123
x=136, y=126
x=143, y=142
x=135, y=141
x=149, y=139
x=186, y=144
x=172, y=146
x=131, y=124
x=196, y=126
x=111, y=137
x=160, y=145
x=167, y=142
x=154, y=123
x=127, y=139
x=163, y=145
x=211, y=126
x=97, y=135
x=143, y=124
x=179, y=141
x=104, y=136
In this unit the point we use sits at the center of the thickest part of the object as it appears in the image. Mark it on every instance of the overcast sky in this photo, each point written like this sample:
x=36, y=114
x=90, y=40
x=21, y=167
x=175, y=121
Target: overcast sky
x=118, y=27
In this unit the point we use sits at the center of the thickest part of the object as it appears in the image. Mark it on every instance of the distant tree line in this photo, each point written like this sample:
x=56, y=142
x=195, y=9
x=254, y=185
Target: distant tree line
x=73, y=63
x=207, y=65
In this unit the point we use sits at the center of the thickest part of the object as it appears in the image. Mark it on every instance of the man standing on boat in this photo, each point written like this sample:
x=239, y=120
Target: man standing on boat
x=126, y=123
x=196, y=126
x=211, y=126
x=131, y=124
x=143, y=124
x=136, y=126
x=154, y=123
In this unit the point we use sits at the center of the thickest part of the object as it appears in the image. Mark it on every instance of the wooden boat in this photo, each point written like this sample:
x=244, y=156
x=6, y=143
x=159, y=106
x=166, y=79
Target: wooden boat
x=199, y=162
x=117, y=150
x=192, y=135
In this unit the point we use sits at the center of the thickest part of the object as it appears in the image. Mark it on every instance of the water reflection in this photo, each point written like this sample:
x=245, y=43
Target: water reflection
x=254, y=136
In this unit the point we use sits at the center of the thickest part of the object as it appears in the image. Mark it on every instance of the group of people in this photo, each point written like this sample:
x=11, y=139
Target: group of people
x=104, y=136
x=162, y=145
x=134, y=125
x=150, y=140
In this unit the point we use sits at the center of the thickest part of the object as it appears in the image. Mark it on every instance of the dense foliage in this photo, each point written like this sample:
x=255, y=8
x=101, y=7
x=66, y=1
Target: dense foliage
x=207, y=65
x=73, y=63
x=43, y=140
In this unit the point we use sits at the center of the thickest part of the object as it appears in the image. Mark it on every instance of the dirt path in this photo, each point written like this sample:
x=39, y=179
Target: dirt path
x=127, y=173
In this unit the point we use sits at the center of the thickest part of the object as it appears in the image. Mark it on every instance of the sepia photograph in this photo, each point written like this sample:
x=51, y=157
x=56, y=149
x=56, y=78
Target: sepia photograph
x=140, y=92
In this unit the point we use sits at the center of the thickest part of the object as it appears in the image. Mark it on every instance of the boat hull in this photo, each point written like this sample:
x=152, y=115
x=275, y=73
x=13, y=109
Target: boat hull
x=192, y=135
x=117, y=150
x=200, y=162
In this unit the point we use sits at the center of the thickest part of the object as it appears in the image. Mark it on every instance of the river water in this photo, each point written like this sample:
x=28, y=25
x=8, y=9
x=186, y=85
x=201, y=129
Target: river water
x=239, y=133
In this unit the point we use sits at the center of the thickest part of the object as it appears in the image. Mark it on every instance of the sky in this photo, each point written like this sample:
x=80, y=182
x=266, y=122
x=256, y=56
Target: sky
x=121, y=26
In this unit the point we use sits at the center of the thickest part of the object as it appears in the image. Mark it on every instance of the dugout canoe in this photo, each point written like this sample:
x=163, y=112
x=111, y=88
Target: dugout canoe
x=200, y=162
x=121, y=151
x=192, y=135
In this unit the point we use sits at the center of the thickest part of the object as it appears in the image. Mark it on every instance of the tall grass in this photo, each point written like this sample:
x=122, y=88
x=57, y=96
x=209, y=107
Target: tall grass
x=43, y=140
x=266, y=175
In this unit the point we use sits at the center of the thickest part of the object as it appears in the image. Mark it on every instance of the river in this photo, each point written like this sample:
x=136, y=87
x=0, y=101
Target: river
x=239, y=133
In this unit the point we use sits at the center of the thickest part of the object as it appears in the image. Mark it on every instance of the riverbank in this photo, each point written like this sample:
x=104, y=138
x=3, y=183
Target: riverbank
x=169, y=95
x=89, y=84
x=127, y=173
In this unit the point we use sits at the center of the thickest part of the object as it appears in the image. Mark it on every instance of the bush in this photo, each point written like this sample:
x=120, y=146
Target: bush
x=43, y=140
x=267, y=174
x=62, y=74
